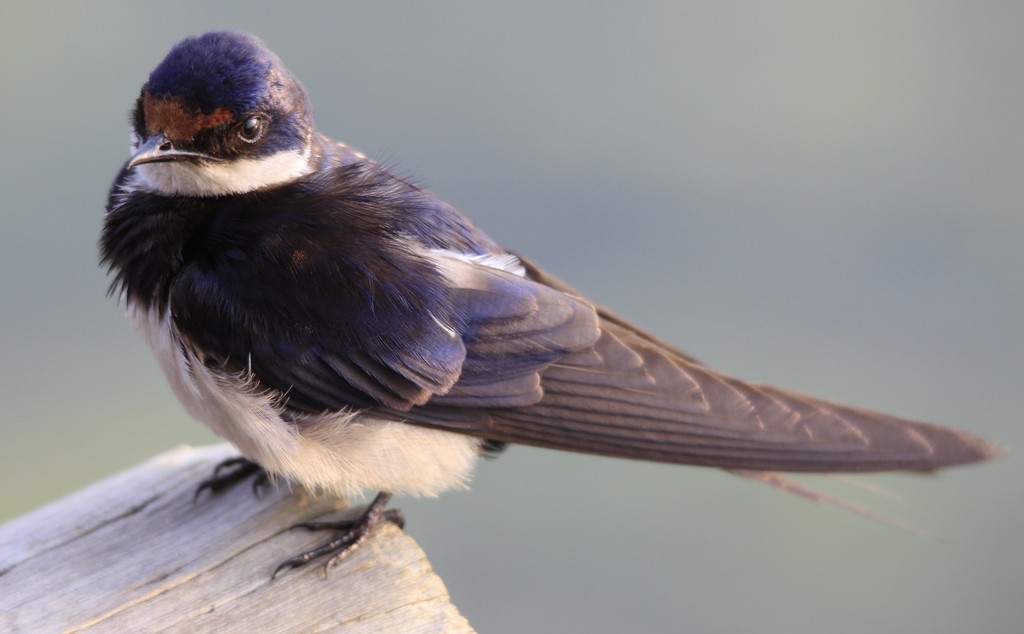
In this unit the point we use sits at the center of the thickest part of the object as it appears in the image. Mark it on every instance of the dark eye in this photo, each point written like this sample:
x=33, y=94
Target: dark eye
x=252, y=130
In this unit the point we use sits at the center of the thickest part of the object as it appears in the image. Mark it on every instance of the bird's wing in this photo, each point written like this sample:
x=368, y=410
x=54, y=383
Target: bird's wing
x=631, y=395
x=627, y=397
x=452, y=333
x=459, y=345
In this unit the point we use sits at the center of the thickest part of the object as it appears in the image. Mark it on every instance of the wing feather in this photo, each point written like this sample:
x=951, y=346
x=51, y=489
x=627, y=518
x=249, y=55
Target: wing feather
x=631, y=395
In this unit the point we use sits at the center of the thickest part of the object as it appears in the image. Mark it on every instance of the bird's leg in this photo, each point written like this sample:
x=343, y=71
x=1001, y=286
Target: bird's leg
x=232, y=471
x=348, y=534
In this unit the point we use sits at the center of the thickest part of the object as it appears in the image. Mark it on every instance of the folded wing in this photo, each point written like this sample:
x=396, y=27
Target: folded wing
x=631, y=395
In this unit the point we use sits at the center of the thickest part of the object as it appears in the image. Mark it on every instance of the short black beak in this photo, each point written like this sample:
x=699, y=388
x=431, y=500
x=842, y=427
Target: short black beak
x=157, y=149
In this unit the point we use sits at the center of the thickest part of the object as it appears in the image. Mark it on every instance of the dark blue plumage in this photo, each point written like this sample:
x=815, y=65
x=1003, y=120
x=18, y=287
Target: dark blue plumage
x=227, y=269
x=220, y=77
x=349, y=330
x=222, y=69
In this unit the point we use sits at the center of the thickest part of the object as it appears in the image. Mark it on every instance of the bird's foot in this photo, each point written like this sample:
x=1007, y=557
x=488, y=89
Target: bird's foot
x=348, y=535
x=232, y=471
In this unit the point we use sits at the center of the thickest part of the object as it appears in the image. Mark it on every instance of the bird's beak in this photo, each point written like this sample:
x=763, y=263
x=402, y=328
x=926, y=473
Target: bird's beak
x=157, y=149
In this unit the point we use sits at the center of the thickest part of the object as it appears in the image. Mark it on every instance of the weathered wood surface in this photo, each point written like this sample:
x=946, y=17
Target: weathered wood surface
x=133, y=553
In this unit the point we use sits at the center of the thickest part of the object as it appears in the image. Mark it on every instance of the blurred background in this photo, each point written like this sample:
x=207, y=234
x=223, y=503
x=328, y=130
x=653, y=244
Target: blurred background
x=826, y=198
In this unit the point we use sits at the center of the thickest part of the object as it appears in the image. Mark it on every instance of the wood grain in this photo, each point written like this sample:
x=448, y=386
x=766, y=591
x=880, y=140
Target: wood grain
x=134, y=553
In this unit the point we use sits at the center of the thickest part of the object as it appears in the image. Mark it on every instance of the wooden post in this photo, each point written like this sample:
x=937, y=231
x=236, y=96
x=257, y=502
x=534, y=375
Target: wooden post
x=134, y=553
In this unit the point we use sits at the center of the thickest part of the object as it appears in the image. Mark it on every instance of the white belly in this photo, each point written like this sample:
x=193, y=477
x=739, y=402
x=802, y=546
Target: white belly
x=344, y=454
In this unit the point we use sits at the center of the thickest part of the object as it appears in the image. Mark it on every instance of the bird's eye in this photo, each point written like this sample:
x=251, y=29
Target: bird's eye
x=252, y=130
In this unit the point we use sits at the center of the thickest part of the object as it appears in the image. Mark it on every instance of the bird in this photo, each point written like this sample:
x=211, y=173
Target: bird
x=350, y=331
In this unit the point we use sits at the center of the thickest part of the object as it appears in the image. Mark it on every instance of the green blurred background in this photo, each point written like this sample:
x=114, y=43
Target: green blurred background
x=827, y=198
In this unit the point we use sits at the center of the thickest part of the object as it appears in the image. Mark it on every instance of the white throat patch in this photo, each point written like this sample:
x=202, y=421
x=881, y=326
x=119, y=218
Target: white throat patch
x=184, y=178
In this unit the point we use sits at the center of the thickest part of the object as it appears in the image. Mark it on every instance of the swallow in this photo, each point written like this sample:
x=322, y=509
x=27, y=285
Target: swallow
x=348, y=330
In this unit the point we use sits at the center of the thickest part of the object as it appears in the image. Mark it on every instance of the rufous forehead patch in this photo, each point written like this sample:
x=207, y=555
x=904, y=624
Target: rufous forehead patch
x=167, y=116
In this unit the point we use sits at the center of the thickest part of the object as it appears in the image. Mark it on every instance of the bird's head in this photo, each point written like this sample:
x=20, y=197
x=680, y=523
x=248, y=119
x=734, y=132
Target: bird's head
x=220, y=115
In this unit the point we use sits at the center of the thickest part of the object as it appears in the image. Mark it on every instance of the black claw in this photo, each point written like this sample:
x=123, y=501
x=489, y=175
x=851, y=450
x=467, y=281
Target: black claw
x=260, y=482
x=348, y=535
x=394, y=516
x=230, y=462
x=229, y=473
